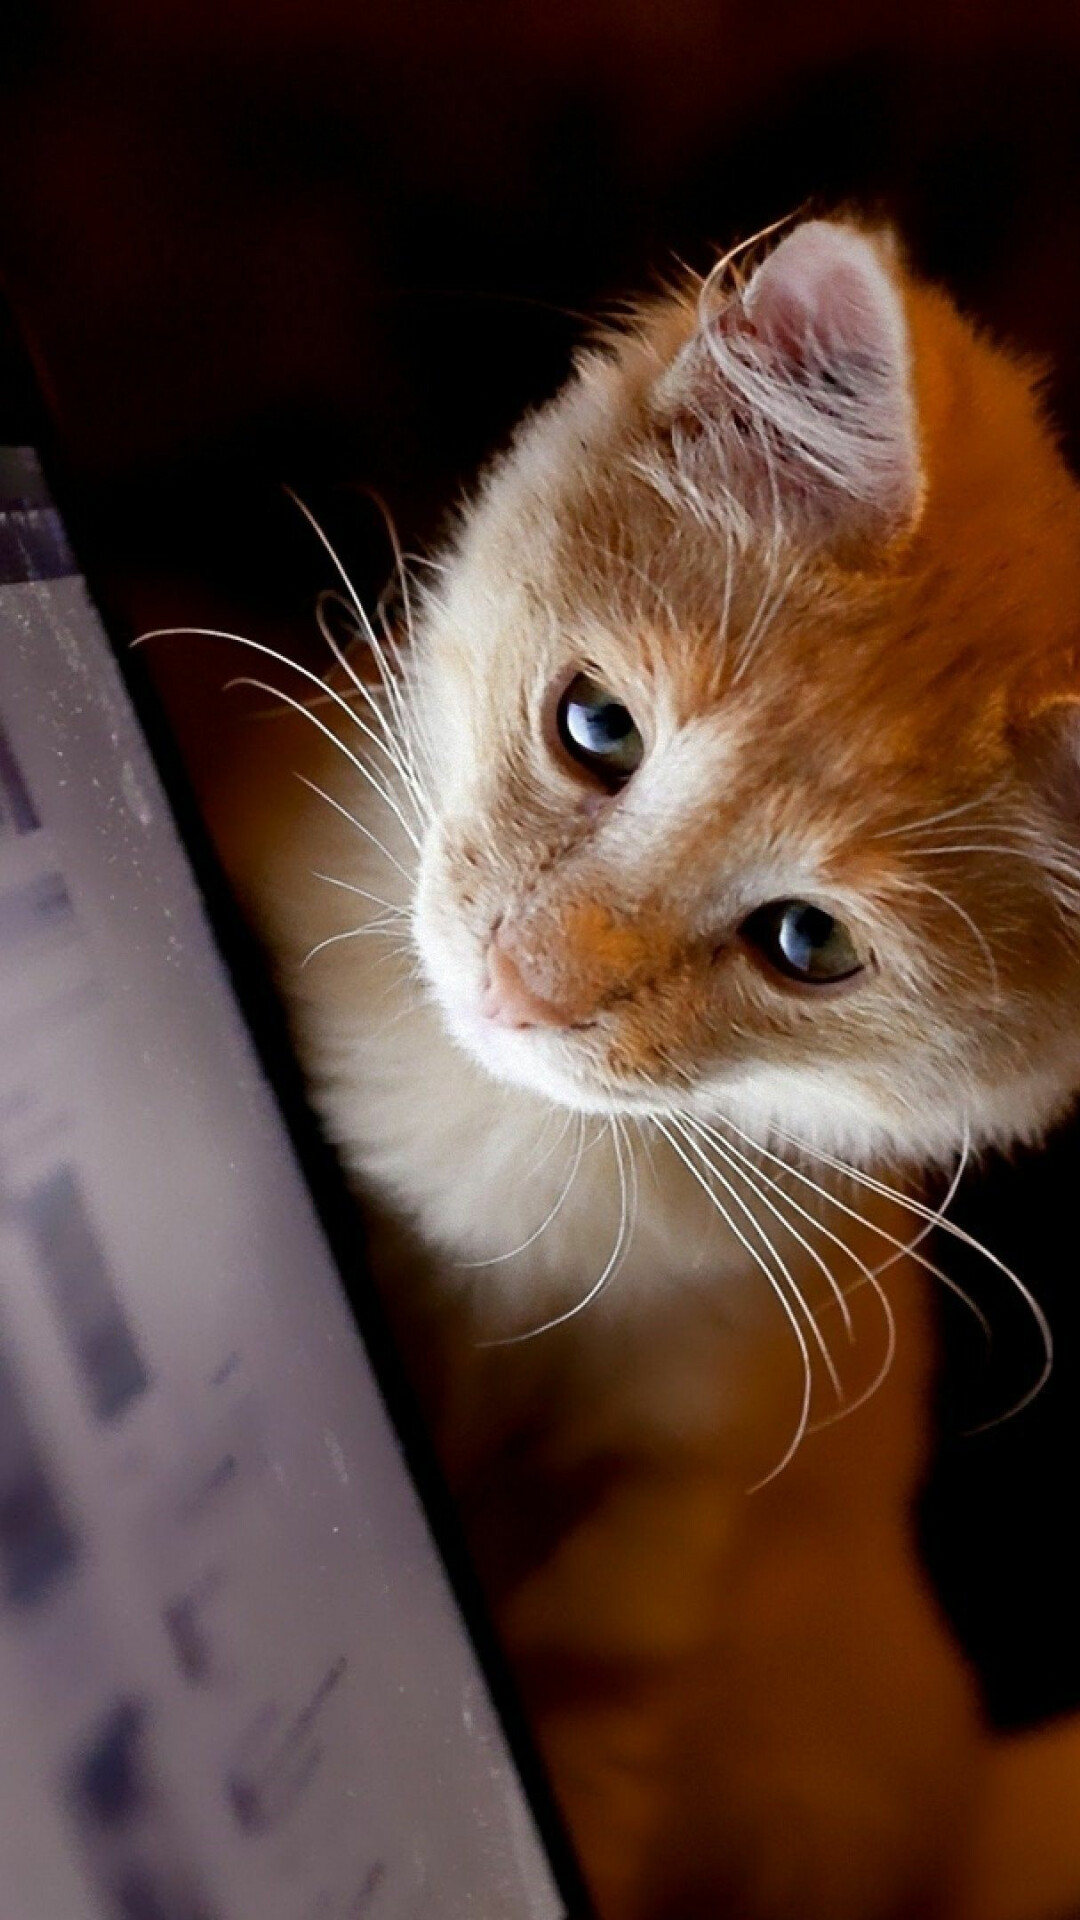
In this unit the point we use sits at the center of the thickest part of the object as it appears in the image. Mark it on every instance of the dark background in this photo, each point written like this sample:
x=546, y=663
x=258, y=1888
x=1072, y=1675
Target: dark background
x=338, y=243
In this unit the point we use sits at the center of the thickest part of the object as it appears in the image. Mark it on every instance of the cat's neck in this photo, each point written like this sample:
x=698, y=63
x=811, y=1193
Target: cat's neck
x=534, y=1209
x=572, y=1216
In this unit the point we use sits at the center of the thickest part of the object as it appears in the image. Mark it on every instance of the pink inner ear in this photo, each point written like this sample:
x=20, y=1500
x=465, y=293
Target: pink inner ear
x=794, y=401
x=825, y=296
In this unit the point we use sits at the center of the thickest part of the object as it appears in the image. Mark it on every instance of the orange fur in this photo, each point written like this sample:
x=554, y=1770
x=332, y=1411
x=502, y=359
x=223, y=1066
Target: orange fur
x=831, y=565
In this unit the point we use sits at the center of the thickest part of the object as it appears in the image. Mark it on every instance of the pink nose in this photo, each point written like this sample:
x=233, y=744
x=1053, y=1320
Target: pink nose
x=509, y=1000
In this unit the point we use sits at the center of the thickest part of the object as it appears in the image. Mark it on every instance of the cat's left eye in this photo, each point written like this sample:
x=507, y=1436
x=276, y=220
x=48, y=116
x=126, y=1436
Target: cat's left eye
x=804, y=943
x=597, y=731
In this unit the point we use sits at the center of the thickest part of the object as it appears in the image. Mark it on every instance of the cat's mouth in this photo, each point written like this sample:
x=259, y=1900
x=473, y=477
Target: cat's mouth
x=570, y=1065
x=544, y=1029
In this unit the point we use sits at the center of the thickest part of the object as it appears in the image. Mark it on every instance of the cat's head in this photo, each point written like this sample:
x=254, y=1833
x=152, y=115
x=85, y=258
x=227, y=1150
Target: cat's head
x=749, y=698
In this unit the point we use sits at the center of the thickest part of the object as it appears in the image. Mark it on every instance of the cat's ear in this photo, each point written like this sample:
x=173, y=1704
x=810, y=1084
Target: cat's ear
x=794, y=397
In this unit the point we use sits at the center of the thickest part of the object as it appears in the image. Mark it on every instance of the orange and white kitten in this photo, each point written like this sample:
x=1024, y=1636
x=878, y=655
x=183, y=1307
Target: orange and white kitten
x=718, y=830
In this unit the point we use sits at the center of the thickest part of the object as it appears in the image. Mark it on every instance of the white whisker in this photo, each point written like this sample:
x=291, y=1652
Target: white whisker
x=245, y=680
x=748, y=1212
x=391, y=677
x=358, y=824
x=326, y=692
x=964, y=1239
x=869, y=1278
x=370, y=634
x=498, y=1258
x=909, y=884
x=902, y=1247
x=731, y=1154
x=539, y=1159
x=622, y=1239
x=348, y=886
x=350, y=933
x=932, y=819
x=397, y=747
x=399, y=558
x=937, y=1213
x=788, y=1310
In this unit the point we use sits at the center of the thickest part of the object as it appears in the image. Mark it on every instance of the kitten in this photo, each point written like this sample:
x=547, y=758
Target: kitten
x=715, y=834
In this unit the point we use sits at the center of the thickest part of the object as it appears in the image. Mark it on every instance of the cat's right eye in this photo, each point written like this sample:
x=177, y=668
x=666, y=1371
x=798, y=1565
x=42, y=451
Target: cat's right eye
x=804, y=943
x=597, y=731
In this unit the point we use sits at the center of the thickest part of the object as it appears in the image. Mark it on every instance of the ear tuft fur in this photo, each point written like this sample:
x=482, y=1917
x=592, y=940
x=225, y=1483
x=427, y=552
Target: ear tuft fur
x=794, y=395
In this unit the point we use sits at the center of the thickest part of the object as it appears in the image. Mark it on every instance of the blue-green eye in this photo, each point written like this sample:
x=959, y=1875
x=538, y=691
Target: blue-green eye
x=803, y=942
x=598, y=731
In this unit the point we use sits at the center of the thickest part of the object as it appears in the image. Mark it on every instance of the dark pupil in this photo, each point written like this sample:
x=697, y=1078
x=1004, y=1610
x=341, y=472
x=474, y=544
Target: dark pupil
x=602, y=726
x=805, y=931
x=599, y=732
x=803, y=941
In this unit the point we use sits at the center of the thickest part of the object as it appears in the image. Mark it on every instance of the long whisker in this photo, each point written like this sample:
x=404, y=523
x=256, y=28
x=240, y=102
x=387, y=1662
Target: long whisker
x=956, y=1233
x=640, y=1125
x=1011, y=840
x=815, y=1331
x=909, y=884
x=403, y=1013
x=788, y=1310
x=498, y=1258
x=358, y=824
x=965, y=1239
x=1058, y=863
x=245, y=680
x=932, y=819
x=326, y=692
x=633, y=1177
x=615, y=1259
x=398, y=747
x=370, y=634
x=392, y=678
x=333, y=597
x=347, y=886
x=937, y=1214
x=903, y=1247
x=958, y=837
x=1017, y=842
x=541, y=1159
x=350, y=933
x=399, y=556
x=731, y=1155
x=869, y=1273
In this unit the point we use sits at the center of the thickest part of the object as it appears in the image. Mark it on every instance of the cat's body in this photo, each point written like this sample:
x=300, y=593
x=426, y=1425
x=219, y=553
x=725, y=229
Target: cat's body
x=748, y=1705
x=817, y=541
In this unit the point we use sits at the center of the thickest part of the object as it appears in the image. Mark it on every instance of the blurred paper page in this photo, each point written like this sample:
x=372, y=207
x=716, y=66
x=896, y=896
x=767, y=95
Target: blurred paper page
x=234, y=1683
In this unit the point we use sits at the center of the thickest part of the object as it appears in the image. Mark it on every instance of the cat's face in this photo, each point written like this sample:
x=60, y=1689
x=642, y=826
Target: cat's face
x=740, y=696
